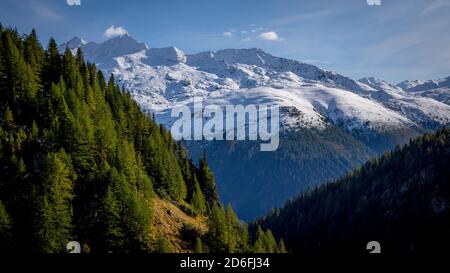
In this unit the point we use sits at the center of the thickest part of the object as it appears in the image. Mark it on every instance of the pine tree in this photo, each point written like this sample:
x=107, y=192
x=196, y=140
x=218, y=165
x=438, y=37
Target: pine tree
x=270, y=242
x=5, y=229
x=217, y=229
x=9, y=117
x=54, y=223
x=281, y=247
x=198, y=201
x=232, y=223
x=207, y=182
x=111, y=225
x=259, y=245
x=53, y=64
x=198, y=246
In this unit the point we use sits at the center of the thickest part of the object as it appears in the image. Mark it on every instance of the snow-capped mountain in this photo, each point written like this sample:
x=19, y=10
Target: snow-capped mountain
x=419, y=85
x=436, y=89
x=343, y=121
x=73, y=44
x=424, y=111
x=160, y=78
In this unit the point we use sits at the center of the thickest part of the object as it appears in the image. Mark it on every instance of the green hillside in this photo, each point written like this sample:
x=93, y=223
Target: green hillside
x=401, y=199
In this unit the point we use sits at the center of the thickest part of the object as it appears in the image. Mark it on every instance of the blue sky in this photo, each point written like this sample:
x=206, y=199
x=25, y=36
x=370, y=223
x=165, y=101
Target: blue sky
x=397, y=40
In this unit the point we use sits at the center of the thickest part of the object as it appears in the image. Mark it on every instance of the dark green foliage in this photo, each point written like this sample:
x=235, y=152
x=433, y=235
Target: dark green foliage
x=5, y=228
x=190, y=233
x=53, y=209
x=254, y=181
x=207, y=182
x=79, y=160
x=228, y=234
x=281, y=246
x=198, y=246
x=265, y=242
x=198, y=200
x=401, y=199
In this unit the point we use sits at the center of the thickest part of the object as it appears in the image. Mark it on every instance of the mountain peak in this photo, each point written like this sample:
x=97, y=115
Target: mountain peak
x=379, y=84
x=251, y=56
x=165, y=56
x=77, y=40
x=373, y=81
x=73, y=44
x=126, y=42
x=420, y=85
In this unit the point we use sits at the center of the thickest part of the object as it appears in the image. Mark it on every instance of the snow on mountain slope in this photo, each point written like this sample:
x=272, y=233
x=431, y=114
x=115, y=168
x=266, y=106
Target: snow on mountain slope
x=418, y=85
x=424, y=111
x=436, y=89
x=73, y=45
x=103, y=54
x=223, y=62
x=161, y=78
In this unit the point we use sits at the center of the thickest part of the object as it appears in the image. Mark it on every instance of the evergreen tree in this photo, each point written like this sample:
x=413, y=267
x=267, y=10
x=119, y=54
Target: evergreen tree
x=198, y=201
x=198, y=246
x=232, y=229
x=259, y=245
x=207, y=182
x=9, y=117
x=281, y=247
x=53, y=65
x=113, y=235
x=54, y=222
x=5, y=229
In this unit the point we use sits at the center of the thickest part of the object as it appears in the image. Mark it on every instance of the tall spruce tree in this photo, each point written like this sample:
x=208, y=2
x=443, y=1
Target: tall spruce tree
x=207, y=182
x=54, y=218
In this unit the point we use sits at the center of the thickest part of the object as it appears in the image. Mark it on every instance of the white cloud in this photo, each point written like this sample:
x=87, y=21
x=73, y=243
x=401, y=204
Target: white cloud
x=73, y=2
x=227, y=34
x=269, y=36
x=114, y=31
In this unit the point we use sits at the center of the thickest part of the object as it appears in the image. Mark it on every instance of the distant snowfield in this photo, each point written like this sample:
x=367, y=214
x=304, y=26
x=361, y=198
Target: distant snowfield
x=161, y=78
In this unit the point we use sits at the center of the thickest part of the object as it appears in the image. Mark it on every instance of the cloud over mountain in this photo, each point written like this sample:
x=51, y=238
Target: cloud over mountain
x=114, y=32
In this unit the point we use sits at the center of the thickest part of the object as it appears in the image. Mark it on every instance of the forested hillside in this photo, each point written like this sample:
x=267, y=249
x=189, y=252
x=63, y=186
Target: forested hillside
x=80, y=162
x=401, y=199
x=304, y=159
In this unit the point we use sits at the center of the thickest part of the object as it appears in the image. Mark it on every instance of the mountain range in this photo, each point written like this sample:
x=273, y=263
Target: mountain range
x=330, y=123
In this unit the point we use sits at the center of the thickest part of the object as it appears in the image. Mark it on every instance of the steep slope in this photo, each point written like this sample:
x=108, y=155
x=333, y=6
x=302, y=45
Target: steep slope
x=170, y=222
x=401, y=200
